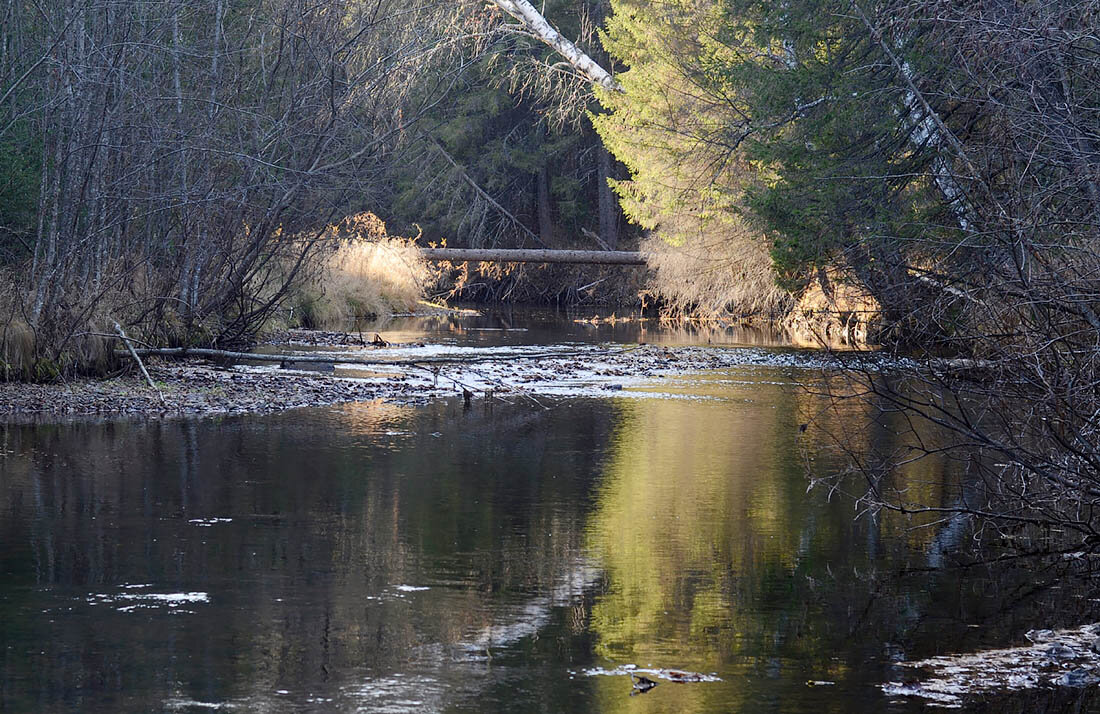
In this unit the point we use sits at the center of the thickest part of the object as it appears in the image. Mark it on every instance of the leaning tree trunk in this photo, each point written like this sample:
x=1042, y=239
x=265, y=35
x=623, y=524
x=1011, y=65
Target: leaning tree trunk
x=536, y=24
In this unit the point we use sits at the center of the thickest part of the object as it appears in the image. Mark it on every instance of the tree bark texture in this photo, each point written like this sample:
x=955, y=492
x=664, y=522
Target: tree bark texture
x=546, y=219
x=609, y=207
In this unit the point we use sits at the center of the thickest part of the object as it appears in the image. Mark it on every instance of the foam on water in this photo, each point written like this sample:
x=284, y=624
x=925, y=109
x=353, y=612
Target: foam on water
x=131, y=602
x=671, y=675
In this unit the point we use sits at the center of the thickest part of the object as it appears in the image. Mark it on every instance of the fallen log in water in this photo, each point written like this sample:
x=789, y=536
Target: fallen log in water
x=593, y=257
x=231, y=356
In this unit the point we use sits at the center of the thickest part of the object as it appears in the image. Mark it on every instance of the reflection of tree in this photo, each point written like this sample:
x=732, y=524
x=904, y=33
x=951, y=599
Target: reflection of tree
x=717, y=560
x=330, y=512
x=689, y=504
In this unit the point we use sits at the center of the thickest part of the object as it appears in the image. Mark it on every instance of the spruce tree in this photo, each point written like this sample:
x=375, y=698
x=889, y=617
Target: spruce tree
x=779, y=126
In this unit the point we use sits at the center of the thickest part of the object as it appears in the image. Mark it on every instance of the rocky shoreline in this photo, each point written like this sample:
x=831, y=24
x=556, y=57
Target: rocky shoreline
x=409, y=374
x=185, y=388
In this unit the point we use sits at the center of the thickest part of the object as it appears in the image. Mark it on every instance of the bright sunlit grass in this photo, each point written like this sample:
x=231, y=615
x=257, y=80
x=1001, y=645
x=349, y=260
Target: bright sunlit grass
x=363, y=273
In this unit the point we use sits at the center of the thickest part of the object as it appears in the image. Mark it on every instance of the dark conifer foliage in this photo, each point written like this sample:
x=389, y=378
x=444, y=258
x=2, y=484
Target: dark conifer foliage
x=942, y=156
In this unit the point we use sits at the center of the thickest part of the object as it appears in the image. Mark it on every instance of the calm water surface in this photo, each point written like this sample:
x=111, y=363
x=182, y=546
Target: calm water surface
x=374, y=557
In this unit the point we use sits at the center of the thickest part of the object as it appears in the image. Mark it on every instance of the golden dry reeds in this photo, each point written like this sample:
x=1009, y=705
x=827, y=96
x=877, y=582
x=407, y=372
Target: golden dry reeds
x=363, y=273
x=77, y=344
x=711, y=270
x=16, y=349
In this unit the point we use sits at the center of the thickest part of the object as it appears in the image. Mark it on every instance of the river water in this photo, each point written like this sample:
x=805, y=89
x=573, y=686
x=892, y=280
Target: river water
x=382, y=558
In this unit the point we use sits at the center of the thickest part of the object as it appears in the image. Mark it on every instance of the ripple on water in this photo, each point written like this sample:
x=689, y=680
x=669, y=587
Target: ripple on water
x=134, y=601
x=399, y=693
x=182, y=704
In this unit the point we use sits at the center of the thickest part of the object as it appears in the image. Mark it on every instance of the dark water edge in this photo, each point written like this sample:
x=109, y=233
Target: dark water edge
x=372, y=557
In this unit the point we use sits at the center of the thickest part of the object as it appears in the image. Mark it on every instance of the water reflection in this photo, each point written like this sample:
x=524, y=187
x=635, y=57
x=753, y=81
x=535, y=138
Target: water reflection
x=330, y=545
x=379, y=558
x=717, y=560
x=508, y=325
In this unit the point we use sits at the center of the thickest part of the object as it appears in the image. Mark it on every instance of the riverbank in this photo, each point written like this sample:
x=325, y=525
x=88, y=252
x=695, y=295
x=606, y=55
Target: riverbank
x=189, y=387
x=409, y=373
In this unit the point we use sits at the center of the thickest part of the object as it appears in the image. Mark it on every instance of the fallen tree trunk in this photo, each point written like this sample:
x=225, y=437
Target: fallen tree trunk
x=592, y=257
x=231, y=356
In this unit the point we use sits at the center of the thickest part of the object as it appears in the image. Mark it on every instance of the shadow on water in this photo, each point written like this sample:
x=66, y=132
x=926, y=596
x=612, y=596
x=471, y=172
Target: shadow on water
x=379, y=558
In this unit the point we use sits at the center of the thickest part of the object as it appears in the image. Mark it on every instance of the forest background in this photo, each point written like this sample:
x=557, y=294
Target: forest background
x=925, y=174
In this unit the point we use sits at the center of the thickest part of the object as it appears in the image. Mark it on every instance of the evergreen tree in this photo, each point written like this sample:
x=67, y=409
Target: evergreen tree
x=675, y=126
x=781, y=127
x=880, y=139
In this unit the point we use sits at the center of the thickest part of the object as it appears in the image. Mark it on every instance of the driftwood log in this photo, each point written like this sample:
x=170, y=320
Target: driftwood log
x=141, y=365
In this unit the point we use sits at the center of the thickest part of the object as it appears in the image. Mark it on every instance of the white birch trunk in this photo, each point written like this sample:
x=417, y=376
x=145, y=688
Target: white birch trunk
x=926, y=130
x=929, y=129
x=537, y=25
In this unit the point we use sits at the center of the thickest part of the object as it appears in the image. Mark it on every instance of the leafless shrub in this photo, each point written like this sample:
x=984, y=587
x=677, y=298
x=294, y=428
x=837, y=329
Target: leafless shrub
x=1013, y=286
x=183, y=149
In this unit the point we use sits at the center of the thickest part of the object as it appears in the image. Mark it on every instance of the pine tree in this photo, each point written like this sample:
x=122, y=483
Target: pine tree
x=671, y=126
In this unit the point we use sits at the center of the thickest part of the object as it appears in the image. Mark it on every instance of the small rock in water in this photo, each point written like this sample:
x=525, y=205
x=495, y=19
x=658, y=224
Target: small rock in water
x=641, y=684
x=1079, y=678
x=1061, y=651
x=1039, y=635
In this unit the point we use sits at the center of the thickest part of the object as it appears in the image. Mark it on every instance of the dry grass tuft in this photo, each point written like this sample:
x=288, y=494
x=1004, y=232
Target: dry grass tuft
x=74, y=345
x=703, y=269
x=362, y=273
x=16, y=349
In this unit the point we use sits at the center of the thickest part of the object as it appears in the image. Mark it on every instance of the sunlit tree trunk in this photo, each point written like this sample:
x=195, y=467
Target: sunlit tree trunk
x=537, y=25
